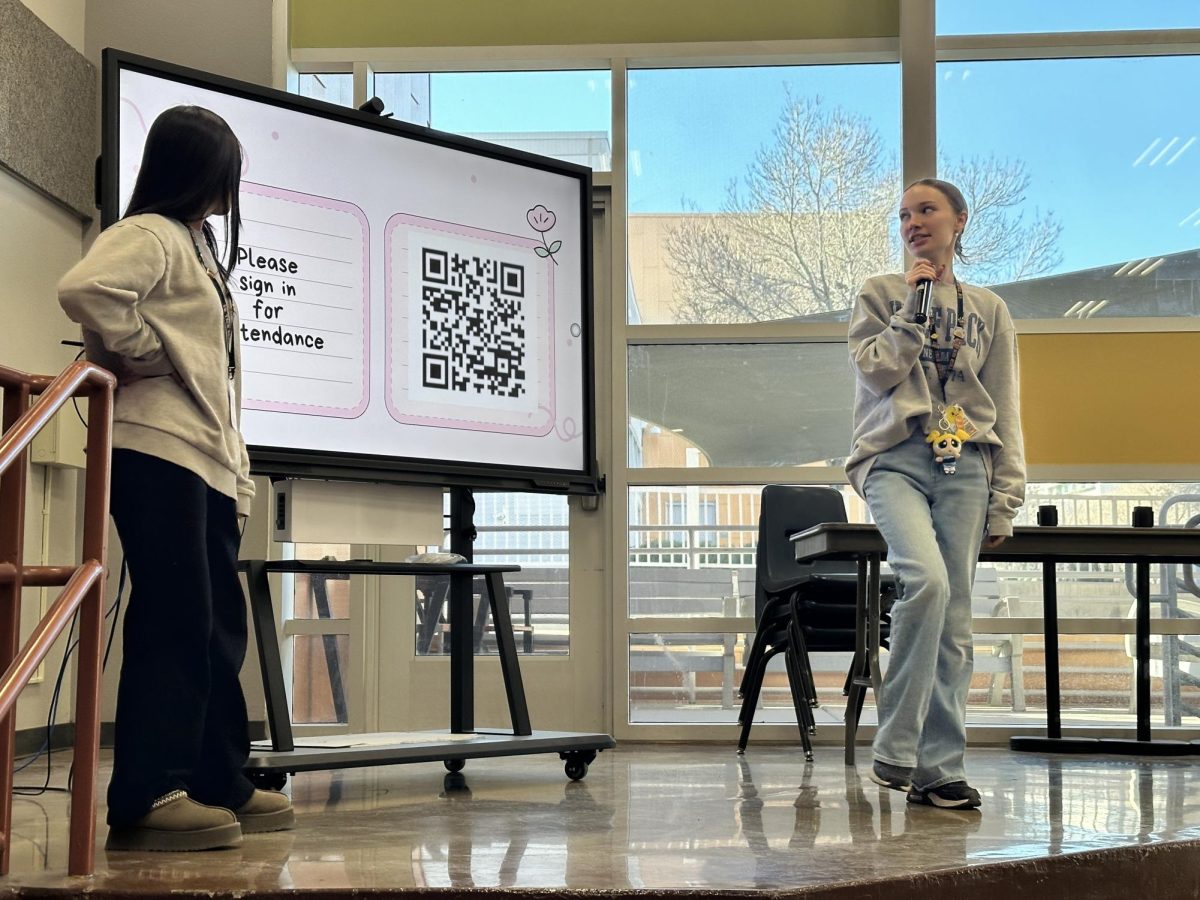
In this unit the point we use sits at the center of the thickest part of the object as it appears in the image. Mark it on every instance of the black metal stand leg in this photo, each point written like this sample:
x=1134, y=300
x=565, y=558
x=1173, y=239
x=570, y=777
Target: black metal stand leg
x=1142, y=650
x=506, y=644
x=462, y=650
x=271, y=666
x=1050, y=641
x=462, y=657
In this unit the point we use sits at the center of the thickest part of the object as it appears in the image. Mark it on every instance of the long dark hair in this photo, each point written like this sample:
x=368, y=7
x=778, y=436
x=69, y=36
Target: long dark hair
x=192, y=163
x=957, y=202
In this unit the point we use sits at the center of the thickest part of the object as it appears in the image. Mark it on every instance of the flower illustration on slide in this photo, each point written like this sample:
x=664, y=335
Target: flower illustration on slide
x=542, y=220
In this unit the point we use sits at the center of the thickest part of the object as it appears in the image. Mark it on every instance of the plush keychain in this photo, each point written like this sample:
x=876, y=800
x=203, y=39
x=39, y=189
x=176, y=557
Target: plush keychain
x=947, y=448
x=954, y=419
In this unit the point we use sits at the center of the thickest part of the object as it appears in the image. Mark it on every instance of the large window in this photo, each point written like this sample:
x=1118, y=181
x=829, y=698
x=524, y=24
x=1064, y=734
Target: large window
x=528, y=530
x=332, y=87
x=692, y=558
x=697, y=406
x=317, y=622
x=1079, y=211
x=759, y=194
x=758, y=199
x=566, y=115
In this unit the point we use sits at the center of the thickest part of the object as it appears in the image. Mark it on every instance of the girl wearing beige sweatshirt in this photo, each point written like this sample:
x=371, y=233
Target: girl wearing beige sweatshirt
x=939, y=458
x=155, y=308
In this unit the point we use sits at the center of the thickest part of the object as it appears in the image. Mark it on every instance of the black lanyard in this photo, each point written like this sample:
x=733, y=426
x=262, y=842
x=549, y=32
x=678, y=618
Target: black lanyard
x=226, y=303
x=945, y=371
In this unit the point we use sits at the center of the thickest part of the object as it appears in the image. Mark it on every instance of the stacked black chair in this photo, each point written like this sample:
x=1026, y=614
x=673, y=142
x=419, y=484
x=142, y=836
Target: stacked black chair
x=801, y=608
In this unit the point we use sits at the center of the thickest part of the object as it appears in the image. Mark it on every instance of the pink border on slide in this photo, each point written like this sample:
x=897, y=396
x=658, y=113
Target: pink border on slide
x=498, y=237
x=345, y=206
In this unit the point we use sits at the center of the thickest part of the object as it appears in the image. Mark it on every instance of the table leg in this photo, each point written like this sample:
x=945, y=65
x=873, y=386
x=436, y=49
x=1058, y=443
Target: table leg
x=1142, y=650
x=506, y=645
x=462, y=655
x=1050, y=641
x=266, y=637
x=857, y=681
x=874, y=615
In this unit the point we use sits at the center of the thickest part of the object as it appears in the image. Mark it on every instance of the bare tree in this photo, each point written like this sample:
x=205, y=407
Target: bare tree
x=1000, y=244
x=814, y=217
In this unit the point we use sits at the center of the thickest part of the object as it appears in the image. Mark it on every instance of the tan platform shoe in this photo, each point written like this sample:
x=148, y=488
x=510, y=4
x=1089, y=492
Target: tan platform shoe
x=176, y=822
x=266, y=811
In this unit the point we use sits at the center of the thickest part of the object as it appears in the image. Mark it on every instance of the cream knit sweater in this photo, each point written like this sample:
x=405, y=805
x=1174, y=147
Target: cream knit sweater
x=147, y=306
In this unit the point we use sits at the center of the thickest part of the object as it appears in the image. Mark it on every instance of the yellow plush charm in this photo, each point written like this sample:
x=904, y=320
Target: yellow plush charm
x=947, y=447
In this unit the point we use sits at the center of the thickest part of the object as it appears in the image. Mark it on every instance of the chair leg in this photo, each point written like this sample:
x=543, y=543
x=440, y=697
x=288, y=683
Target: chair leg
x=765, y=623
x=858, y=679
x=804, y=664
x=800, y=681
x=752, y=679
x=754, y=691
x=799, y=701
x=752, y=659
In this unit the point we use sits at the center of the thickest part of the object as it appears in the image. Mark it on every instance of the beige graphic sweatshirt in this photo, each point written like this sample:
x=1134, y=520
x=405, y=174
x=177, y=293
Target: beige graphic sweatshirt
x=898, y=391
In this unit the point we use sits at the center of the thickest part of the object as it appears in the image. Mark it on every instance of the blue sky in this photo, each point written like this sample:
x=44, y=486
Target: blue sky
x=1024, y=16
x=1112, y=146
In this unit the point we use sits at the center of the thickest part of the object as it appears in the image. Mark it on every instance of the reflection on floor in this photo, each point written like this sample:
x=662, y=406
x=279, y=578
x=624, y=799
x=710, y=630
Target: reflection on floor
x=661, y=818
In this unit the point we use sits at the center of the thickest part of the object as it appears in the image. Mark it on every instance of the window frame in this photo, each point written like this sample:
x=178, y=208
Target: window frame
x=918, y=51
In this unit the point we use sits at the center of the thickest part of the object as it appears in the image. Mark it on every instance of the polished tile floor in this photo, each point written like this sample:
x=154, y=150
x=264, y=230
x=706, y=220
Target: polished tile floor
x=647, y=817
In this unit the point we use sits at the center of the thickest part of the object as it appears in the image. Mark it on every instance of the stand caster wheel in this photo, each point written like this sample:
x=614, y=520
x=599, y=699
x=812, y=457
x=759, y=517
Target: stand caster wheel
x=576, y=763
x=454, y=765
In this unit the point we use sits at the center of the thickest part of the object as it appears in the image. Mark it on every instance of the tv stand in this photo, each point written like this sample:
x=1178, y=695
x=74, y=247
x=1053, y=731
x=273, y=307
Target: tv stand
x=269, y=766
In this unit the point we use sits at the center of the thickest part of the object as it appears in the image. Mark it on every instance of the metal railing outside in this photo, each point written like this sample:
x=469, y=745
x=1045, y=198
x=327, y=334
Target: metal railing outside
x=83, y=586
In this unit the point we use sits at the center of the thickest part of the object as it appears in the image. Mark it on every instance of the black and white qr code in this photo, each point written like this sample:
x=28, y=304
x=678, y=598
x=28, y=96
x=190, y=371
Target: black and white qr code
x=473, y=329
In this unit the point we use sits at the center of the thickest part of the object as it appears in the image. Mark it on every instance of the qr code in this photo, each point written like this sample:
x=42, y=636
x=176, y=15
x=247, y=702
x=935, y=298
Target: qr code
x=473, y=324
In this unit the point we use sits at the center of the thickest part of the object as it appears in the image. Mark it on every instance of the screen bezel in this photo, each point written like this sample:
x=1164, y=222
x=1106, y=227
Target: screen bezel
x=283, y=462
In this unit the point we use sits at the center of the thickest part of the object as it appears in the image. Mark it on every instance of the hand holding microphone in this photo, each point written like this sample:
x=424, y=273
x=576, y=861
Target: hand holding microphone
x=921, y=278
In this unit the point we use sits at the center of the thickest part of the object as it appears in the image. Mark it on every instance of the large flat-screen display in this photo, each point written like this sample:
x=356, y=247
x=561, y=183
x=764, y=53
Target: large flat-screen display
x=413, y=305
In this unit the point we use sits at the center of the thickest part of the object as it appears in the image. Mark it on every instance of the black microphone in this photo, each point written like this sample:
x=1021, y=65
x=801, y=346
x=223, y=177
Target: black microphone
x=924, y=298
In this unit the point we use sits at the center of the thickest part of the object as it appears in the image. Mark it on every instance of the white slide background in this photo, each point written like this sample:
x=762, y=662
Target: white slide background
x=332, y=290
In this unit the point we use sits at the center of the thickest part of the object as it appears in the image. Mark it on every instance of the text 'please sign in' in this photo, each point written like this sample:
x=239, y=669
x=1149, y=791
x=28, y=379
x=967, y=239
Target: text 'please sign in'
x=300, y=283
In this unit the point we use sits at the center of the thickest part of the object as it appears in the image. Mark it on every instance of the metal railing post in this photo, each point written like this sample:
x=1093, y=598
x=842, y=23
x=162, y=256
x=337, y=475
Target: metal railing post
x=91, y=627
x=12, y=540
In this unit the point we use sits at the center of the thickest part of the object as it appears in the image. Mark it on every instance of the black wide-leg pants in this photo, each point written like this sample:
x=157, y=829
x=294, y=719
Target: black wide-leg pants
x=181, y=714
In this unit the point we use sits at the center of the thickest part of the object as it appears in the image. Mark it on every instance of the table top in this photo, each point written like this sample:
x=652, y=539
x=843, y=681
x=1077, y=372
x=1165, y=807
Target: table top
x=841, y=540
x=370, y=567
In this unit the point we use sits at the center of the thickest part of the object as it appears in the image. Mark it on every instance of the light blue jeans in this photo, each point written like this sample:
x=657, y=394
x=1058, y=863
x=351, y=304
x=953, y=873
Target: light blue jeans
x=933, y=524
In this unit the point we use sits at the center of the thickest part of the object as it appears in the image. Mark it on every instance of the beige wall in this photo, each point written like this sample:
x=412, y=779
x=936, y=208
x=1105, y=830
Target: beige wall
x=64, y=16
x=39, y=240
x=226, y=37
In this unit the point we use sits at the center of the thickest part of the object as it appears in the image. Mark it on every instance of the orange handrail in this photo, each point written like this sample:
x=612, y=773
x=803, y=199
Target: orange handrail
x=84, y=589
